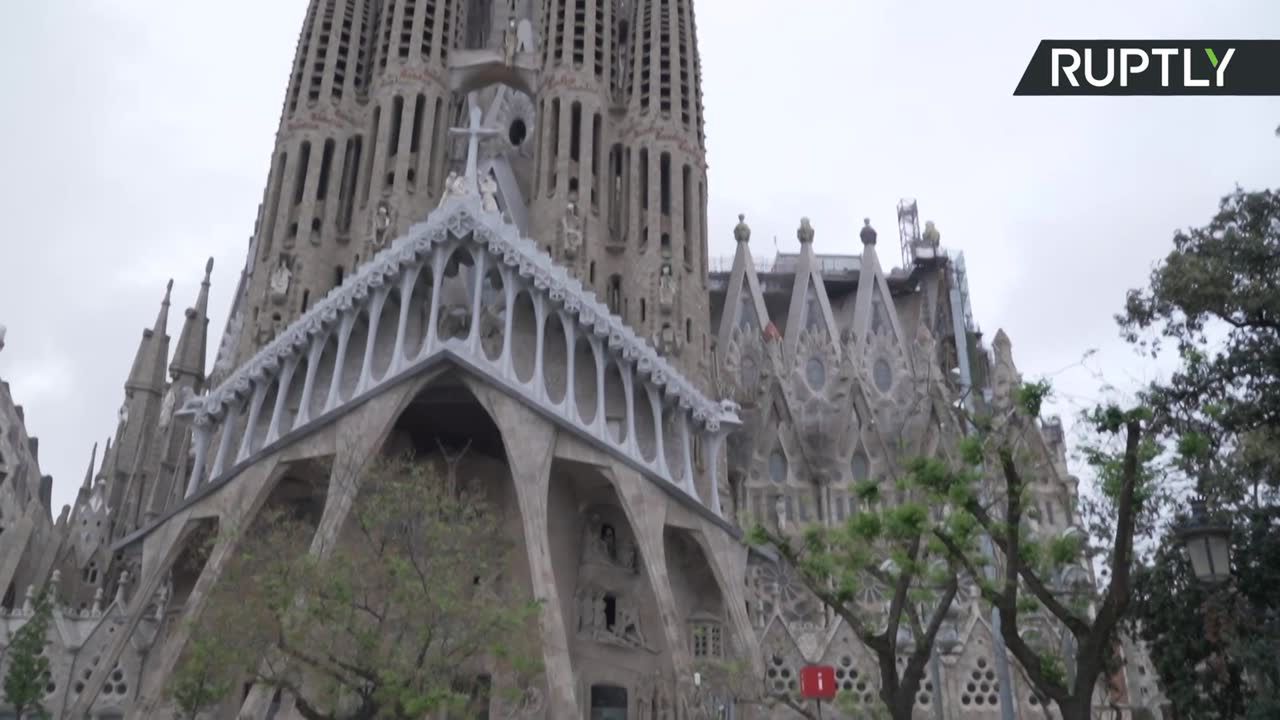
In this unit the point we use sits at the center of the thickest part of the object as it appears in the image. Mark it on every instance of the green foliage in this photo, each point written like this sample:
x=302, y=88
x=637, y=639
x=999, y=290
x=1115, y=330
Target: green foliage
x=395, y=621
x=1030, y=397
x=971, y=450
x=28, y=675
x=906, y=521
x=203, y=680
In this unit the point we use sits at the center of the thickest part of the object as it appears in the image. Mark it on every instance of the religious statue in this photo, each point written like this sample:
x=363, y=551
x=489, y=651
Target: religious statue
x=931, y=235
x=382, y=221
x=123, y=415
x=627, y=626
x=780, y=512
x=488, y=193
x=510, y=42
x=631, y=556
x=280, y=279
x=524, y=36
x=667, y=342
x=450, y=187
x=666, y=288
x=571, y=227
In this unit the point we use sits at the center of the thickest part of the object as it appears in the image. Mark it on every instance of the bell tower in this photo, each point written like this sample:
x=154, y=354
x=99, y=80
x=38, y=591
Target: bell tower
x=621, y=182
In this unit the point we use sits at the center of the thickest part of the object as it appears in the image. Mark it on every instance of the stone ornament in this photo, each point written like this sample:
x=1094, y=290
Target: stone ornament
x=666, y=288
x=463, y=220
x=571, y=231
x=488, y=193
x=280, y=280
x=382, y=222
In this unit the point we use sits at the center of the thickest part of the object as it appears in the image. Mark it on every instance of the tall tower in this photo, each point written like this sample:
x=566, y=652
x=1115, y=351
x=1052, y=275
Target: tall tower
x=597, y=152
x=621, y=155
x=359, y=153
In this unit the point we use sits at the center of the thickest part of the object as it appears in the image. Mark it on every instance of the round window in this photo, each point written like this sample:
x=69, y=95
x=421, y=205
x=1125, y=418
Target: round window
x=778, y=467
x=883, y=375
x=517, y=132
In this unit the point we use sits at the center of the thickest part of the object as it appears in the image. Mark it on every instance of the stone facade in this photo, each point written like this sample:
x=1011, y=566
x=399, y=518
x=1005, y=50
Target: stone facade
x=538, y=276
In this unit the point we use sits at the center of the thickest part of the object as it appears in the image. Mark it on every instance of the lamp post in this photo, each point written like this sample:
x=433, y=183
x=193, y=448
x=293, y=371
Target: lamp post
x=1208, y=544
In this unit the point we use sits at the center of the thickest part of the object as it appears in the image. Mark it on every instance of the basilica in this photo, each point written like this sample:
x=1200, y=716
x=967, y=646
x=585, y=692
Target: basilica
x=483, y=238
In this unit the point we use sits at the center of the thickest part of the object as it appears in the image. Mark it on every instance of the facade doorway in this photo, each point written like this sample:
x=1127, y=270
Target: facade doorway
x=608, y=702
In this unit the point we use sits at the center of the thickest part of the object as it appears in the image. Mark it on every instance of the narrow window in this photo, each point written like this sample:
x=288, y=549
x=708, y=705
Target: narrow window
x=688, y=330
x=642, y=310
x=575, y=132
x=368, y=167
x=300, y=178
x=393, y=130
x=306, y=297
x=644, y=178
x=664, y=171
x=347, y=193
x=326, y=164
x=419, y=109
x=596, y=149
x=337, y=276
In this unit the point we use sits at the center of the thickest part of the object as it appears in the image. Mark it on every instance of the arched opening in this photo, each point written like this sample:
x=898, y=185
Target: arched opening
x=615, y=403
x=524, y=337
x=585, y=390
x=555, y=359
x=324, y=376
x=698, y=597
x=353, y=358
x=419, y=320
x=293, y=397
x=646, y=427
x=455, y=296
x=384, y=341
x=673, y=441
x=493, y=314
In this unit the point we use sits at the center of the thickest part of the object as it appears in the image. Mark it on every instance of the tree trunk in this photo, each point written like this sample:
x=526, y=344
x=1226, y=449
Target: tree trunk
x=1076, y=709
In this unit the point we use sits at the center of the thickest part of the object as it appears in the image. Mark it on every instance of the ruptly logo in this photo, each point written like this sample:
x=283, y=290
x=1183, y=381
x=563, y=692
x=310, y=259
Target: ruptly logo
x=1153, y=67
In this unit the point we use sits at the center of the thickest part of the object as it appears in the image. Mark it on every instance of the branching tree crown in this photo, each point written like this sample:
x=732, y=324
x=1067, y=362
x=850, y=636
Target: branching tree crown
x=411, y=612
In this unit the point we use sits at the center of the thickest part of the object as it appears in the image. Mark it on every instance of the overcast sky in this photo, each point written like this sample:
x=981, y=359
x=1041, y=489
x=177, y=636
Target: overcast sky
x=135, y=138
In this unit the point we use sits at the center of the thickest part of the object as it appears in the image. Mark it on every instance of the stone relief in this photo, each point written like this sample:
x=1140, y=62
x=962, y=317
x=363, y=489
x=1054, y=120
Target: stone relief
x=571, y=231
x=382, y=223
x=488, y=193
x=610, y=618
x=281, y=278
x=666, y=289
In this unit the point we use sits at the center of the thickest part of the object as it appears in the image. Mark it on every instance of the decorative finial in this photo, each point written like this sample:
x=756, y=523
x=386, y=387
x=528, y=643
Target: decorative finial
x=168, y=290
x=742, y=233
x=208, y=269
x=3, y=330
x=868, y=233
x=97, y=601
x=805, y=233
x=29, y=603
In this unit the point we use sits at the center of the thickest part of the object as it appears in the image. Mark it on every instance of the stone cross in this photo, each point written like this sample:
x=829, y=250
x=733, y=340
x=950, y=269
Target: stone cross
x=474, y=133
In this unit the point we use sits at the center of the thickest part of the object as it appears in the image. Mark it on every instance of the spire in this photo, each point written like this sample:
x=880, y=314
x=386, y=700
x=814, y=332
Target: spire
x=106, y=462
x=189, y=357
x=153, y=351
x=88, y=474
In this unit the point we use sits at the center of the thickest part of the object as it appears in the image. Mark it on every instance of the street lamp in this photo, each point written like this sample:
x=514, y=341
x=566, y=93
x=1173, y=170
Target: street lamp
x=1208, y=544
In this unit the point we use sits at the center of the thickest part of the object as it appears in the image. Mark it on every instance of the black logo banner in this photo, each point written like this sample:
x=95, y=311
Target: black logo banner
x=1153, y=67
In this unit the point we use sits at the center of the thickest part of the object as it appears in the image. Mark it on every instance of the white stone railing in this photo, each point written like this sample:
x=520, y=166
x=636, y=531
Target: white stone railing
x=464, y=283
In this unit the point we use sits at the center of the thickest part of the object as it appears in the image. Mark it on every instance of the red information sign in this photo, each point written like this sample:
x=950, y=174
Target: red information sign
x=818, y=682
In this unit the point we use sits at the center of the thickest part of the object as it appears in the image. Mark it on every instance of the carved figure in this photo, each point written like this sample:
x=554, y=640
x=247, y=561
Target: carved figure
x=510, y=43
x=488, y=193
x=571, y=227
x=382, y=221
x=447, y=188
x=123, y=414
x=666, y=288
x=524, y=36
x=280, y=280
